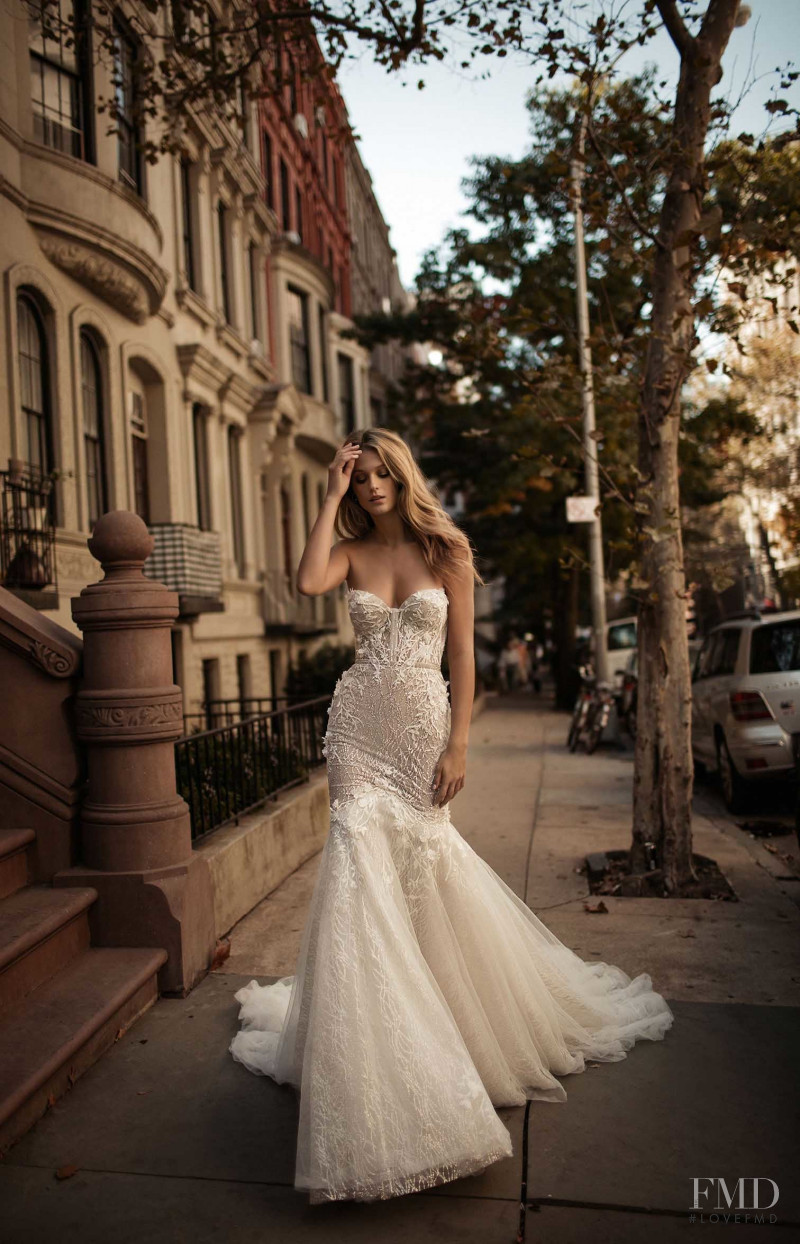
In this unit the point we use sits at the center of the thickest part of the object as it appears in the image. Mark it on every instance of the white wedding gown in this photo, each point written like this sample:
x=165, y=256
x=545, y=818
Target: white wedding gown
x=425, y=992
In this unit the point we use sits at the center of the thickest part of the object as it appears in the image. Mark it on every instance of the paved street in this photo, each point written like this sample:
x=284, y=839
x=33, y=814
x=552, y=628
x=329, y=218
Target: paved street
x=176, y=1142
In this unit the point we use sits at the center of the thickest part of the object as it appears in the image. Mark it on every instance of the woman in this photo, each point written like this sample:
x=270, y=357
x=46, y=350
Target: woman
x=426, y=993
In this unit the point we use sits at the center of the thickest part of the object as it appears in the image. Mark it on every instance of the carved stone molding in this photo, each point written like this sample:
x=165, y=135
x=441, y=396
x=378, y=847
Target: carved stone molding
x=100, y=274
x=59, y=664
x=38, y=639
x=152, y=713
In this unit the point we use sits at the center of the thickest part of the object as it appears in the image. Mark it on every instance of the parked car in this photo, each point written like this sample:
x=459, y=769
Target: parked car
x=620, y=641
x=746, y=701
x=628, y=695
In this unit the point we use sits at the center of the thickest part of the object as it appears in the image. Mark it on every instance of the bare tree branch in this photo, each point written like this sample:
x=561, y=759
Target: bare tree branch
x=675, y=25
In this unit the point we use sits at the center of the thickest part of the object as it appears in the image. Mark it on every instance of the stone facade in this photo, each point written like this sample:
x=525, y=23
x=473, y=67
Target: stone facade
x=171, y=346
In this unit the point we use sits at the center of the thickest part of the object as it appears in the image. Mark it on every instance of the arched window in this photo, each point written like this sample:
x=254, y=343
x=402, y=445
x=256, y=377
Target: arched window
x=141, y=483
x=94, y=455
x=34, y=386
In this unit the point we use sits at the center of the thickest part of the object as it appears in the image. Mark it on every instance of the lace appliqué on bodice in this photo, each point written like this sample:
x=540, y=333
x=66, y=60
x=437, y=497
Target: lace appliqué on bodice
x=389, y=719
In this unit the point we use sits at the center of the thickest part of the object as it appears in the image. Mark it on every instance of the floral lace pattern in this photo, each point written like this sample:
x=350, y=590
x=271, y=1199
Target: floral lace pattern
x=426, y=993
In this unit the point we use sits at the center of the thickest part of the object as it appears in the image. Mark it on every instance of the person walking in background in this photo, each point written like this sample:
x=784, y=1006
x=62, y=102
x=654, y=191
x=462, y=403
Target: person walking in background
x=523, y=663
x=508, y=665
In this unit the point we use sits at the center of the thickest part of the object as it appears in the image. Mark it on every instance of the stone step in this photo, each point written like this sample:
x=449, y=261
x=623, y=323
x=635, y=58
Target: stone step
x=41, y=930
x=56, y=1032
x=15, y=870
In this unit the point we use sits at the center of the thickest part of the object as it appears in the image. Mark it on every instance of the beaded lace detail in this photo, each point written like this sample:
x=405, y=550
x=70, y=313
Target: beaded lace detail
x=389, y=718
x=426, y=992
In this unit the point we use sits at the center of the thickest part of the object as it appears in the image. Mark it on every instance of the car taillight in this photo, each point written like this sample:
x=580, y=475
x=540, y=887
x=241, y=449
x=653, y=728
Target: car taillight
x=749, y=706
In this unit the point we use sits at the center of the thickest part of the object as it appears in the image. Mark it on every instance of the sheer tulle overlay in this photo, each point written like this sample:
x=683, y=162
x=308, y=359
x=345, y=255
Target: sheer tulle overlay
x=426, y=993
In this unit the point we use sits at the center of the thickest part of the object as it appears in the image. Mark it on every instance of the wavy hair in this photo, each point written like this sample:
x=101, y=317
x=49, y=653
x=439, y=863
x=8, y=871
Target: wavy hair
x=444, y=546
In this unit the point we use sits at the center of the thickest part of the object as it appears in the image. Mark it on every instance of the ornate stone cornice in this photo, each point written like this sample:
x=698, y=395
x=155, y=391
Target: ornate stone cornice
x=110, y=247
x=200, y=364
x=242, y=394
x=99, y=274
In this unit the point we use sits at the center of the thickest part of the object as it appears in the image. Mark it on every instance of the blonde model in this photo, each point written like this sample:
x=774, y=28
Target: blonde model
x=426, y=993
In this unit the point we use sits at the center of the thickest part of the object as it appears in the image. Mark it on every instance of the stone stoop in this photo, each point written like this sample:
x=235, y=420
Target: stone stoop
x=15, y=860
x=63, y=1002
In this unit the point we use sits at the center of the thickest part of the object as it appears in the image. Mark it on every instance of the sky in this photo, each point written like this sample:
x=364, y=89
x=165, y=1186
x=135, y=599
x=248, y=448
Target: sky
x=417, y=143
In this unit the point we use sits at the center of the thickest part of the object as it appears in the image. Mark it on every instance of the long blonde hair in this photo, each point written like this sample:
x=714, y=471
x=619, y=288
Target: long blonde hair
x=443, y=544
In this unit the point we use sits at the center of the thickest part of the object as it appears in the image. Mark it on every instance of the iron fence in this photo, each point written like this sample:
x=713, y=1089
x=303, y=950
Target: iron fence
x=27, y=528
x=213, y=714
x=226, y=772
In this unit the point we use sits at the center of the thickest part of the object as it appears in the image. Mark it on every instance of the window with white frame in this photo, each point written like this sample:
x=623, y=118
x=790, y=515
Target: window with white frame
x=60, y=61
x=299, y=339
x=237, y=500
x=347, y=392
x=141, y=486
x=188, y=218
x=94, y=453
x=34, y=384
x=254, y=270
x=126, y=58
x=224, y=262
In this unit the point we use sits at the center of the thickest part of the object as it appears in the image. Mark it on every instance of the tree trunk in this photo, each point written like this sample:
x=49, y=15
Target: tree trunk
x=662, y=800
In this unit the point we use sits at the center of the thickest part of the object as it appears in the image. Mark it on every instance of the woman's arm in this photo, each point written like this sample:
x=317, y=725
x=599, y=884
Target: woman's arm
x=321, y=567
x=451, y=770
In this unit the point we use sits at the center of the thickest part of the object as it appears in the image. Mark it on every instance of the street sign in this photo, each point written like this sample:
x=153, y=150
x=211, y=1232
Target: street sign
x=581, y=509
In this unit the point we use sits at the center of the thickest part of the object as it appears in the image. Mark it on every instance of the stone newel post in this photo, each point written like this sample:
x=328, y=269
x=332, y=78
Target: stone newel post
x=135, y=828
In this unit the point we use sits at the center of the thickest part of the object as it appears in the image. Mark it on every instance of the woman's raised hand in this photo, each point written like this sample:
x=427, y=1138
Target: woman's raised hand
x=341, y=469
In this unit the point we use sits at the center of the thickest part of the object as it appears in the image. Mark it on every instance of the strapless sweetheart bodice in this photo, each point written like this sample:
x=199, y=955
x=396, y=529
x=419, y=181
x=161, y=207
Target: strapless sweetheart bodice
x=410, y=634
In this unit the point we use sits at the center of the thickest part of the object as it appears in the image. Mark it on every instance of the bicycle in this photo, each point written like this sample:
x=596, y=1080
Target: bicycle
x=599, y=713
x=591, y=712
x=582, y=706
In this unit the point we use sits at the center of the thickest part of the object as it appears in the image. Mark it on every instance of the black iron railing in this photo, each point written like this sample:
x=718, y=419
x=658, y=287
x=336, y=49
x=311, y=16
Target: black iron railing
x=226, y=772
x=27, y=528
x=214, y=714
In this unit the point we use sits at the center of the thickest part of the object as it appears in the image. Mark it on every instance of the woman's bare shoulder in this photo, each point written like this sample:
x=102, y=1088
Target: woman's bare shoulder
x=351, y=548
x=351, y=545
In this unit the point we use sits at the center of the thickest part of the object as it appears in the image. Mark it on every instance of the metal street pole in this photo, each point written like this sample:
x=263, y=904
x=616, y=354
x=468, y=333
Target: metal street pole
x=596, y=572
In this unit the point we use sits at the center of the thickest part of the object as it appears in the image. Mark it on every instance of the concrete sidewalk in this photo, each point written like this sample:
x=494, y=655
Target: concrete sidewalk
x=176, y=1142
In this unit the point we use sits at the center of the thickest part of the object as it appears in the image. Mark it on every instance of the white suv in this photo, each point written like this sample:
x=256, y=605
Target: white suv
x=746, y=701
x=620, y=643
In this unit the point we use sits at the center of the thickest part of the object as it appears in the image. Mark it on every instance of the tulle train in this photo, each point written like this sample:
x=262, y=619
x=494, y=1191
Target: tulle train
x=426, y=993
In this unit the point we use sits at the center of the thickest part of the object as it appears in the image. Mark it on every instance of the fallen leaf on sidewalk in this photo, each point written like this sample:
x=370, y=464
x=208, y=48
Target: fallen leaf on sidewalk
x=221, y=953
x=65, y=1172
x=595, y=907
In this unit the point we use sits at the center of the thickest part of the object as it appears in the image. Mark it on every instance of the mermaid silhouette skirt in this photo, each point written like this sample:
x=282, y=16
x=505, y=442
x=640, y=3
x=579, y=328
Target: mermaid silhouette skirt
x=426, y=993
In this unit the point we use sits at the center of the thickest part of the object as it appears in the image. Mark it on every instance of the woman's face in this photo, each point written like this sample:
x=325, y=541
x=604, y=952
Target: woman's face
x=374, y=487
